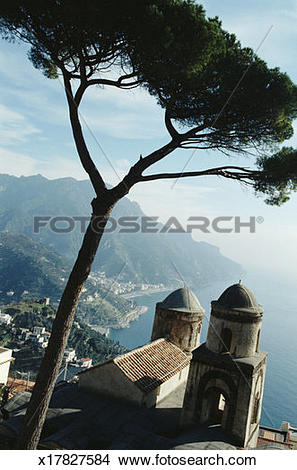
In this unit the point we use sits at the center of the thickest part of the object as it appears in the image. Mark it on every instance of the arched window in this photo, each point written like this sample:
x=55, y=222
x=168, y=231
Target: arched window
x=215, y=406
x=226, y=338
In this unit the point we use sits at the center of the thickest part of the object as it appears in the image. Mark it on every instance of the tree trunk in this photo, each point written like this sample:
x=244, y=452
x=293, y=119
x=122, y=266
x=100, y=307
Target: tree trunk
x=48, y=372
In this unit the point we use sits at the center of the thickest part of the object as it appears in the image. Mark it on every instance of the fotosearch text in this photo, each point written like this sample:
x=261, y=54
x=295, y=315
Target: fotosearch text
x=146, y=224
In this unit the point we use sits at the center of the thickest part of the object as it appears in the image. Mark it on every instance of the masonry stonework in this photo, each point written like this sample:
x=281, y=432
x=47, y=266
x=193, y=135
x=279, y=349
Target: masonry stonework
x=179, y=318
x=226, y=378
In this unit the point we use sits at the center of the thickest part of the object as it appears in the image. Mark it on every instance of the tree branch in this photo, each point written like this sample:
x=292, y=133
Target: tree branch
x=117, y=83
x=240, y=174
x=82, y=150
x=156, y=156
x=169, y=126
x=135, y=173
x=192, y=133
x=102, y=81
x=127, y=76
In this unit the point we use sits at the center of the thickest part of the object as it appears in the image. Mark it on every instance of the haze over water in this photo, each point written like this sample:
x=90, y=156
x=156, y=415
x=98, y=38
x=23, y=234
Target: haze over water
x=278, y=296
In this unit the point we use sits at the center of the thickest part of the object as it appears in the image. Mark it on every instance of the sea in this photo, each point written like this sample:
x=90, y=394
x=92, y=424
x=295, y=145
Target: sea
x=278, y=296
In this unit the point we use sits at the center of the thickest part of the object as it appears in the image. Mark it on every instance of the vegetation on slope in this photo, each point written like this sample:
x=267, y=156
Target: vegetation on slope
x=28, y=270
x=26, y=314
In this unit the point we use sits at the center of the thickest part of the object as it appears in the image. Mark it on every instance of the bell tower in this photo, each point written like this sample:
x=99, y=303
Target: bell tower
x=179, y=318
x=226, y=378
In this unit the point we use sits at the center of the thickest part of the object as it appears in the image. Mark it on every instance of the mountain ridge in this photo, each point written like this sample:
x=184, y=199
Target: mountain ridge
x=141, y=257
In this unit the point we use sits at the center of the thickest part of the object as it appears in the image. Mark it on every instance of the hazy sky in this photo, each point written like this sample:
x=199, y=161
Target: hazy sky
x=35, y=138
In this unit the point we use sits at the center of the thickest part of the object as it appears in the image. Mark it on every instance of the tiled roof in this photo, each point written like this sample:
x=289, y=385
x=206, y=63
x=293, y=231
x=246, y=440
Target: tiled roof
x=18, y=385
x=152, y=364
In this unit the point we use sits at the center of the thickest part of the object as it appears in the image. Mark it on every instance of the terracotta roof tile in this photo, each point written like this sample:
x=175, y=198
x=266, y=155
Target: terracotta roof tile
x=18, y=385
x=152, y=364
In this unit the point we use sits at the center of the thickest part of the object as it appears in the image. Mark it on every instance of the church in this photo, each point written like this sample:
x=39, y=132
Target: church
x=172, y=393
x=218, y=384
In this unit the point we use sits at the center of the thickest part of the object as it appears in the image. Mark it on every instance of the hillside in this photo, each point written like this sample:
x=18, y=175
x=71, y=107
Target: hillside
x=28, y=269
x=139, y=257
x=27, y=314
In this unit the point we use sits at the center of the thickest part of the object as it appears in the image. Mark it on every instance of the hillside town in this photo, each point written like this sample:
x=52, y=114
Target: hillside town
x=123, y=288
x=99, y=279
x=38, y=336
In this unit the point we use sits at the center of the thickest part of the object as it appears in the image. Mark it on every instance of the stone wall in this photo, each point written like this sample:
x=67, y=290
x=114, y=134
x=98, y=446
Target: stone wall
x=240, y=381
x=244, y=335
x=183, y=329
x=109, y=381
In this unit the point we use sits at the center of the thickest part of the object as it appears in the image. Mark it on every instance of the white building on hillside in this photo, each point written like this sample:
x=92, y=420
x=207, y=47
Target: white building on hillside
x=69, y=355
x=5, y=318
x=38, y=330
x=5, y=360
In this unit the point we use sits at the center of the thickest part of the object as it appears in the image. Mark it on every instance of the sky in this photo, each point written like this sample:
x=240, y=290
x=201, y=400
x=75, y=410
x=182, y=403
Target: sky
x=35, y=137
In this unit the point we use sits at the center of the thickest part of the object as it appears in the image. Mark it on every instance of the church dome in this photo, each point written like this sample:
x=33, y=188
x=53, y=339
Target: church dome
x=239, y=297
x=182, y=300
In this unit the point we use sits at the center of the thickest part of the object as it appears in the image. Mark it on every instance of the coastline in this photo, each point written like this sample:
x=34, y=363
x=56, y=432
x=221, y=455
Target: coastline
x=131, y=316
x=140, y=293
x=123, y=323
